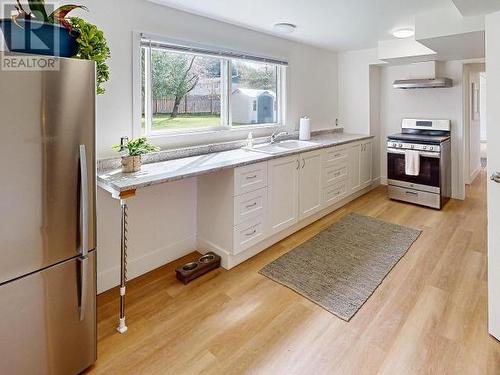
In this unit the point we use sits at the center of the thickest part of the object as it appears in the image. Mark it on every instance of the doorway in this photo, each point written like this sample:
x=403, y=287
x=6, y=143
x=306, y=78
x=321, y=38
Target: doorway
x=482, y=110
x=474, y=120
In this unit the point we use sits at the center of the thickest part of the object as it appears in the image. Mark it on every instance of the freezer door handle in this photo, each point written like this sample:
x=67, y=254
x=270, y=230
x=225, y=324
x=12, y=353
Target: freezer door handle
x=84, y=203
x=83, y=269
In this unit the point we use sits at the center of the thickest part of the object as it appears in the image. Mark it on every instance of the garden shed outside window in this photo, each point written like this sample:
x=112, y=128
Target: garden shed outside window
x=186, y=89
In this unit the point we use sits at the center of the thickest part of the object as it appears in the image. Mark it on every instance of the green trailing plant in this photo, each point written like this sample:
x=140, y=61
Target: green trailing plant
x=91, y=41
x=93, y=46
x=136, y=147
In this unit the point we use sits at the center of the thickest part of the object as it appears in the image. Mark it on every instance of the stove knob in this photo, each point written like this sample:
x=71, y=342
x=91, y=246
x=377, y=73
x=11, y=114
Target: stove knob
x=431, y=148
x=424, y=147
x=400, y=145
x=412, y=146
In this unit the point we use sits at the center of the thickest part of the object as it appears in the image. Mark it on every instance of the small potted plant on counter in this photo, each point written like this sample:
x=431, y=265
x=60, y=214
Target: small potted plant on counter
x=133, y=150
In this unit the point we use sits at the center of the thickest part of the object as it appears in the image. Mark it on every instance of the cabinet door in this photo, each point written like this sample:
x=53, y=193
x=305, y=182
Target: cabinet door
x=355, y=159
x=310, y=183
x=283, y=190
x=366, y=164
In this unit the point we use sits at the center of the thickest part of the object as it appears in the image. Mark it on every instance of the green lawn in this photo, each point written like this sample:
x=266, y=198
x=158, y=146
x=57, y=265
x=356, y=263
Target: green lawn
x=184, y=121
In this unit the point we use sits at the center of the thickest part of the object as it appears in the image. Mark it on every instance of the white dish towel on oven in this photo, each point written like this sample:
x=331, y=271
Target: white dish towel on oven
x=412, y=162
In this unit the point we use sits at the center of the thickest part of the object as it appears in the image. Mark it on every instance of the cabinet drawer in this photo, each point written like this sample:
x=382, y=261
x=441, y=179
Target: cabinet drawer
x=248, y=234
x=415, y=196
x=334, y=173
x=250, y=178
x=335, y=155
x=333, y=194
x=250, y=205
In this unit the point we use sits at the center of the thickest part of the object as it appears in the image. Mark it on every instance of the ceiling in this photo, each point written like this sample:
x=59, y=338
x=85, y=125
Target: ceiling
x=333, y=24
x=476, y=7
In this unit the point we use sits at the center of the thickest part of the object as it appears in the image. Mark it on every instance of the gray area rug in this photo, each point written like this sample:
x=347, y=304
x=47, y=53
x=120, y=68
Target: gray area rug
x=341, y=267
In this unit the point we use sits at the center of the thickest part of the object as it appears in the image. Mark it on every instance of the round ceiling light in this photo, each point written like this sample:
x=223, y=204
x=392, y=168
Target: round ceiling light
x=284, y=27
x=403, y=33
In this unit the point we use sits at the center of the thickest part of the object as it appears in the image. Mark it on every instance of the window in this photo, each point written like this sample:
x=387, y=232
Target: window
x=187, y=89
x=254, y=87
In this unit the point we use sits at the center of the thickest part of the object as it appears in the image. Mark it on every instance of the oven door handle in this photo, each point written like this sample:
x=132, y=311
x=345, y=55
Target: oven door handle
x=425, y=154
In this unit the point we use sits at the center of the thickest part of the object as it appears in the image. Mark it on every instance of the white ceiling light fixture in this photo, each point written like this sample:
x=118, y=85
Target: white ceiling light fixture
x=284, y=27
x=403, y=33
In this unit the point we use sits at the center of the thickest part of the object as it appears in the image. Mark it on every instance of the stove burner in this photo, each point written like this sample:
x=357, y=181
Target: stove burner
x=419, y=138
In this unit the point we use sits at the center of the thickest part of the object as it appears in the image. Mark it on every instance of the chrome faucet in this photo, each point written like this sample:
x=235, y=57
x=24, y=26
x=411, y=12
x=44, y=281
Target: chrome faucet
x=276, y=135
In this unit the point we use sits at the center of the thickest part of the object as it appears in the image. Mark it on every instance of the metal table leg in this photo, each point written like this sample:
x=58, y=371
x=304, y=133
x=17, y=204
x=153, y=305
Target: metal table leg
x=122, y=327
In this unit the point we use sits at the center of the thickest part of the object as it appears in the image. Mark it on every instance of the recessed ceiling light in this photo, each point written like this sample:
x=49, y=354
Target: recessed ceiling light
x=284, y=27
x=403, y=33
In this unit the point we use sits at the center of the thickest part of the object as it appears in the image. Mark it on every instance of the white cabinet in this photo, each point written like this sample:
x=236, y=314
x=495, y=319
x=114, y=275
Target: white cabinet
x=250, y=178
x=241, y=211
x=283, y=192
x=310, y=183
x=232, y=209
x=354, y=166
x=365, y=164
x=360, y=165
x=248, y=233
x=335, y=174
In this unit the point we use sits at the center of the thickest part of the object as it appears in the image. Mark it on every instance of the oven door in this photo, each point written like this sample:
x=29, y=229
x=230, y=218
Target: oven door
x=428, y=178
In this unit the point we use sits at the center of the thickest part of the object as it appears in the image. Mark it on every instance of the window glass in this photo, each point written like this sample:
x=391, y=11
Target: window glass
x=185, y=91
x=254, y=93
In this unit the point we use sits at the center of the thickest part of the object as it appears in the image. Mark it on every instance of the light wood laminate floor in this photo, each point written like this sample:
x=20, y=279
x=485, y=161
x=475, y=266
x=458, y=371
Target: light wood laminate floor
x=429, y=316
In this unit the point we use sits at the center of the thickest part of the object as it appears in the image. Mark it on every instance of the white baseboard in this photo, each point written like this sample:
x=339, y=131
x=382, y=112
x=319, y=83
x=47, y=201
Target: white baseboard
x=229, y=261
x=474, y=174
x=110, y=278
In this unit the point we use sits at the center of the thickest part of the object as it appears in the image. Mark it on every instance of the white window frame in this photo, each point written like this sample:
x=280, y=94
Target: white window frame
x=226, y=58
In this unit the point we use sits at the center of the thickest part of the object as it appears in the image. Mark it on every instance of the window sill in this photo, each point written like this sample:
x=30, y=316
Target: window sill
x=210, y=136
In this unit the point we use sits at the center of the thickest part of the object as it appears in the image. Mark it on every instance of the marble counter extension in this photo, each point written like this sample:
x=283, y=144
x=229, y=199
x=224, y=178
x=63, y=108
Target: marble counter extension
x=114, y=181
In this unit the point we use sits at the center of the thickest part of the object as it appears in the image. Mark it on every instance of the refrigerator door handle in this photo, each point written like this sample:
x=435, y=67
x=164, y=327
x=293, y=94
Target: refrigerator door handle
x=84, y=203
x=82, y=285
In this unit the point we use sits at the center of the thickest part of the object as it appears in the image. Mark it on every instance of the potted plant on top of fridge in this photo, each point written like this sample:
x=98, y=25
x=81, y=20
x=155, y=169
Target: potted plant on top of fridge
x=133, y=150
x=34, y=29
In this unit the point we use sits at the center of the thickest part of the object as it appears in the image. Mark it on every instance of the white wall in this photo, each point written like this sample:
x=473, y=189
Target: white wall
x=162, y=227
x=312, y=71
x=493, y=98
x=354, y=89
x=430, y=103
x=375, y=113
x=482, y=110
x=474, y=128
x=163, y=218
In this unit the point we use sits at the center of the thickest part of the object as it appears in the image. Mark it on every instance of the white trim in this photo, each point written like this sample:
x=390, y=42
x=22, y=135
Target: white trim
x=110, y=278
x=148, y=80
x=474, y=174
x=227, y=129
x=162, y=42
x=136, y=82
x=229, y=260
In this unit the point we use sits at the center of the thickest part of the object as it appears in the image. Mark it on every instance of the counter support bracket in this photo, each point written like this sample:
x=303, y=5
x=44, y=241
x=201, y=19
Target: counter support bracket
x=123, y=196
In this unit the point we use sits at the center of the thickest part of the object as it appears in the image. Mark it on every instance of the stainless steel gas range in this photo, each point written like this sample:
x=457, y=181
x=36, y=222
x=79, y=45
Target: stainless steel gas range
x=419, y=162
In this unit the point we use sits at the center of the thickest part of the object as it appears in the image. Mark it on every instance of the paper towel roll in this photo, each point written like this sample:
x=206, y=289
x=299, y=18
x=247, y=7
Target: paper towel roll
x=305, y=129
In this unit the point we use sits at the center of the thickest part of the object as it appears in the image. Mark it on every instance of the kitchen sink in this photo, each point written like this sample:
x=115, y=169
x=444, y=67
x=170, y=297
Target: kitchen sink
x=283, y=146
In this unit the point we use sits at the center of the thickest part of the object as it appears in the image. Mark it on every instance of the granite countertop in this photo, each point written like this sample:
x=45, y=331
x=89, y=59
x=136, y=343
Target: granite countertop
x=114, y=181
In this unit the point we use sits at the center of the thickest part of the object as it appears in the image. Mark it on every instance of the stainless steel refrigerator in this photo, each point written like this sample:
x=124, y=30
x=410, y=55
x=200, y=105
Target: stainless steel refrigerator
x=47, y=219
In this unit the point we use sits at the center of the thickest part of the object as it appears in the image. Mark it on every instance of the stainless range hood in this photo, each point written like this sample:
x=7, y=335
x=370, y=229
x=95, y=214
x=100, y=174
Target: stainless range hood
x=432, y=83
